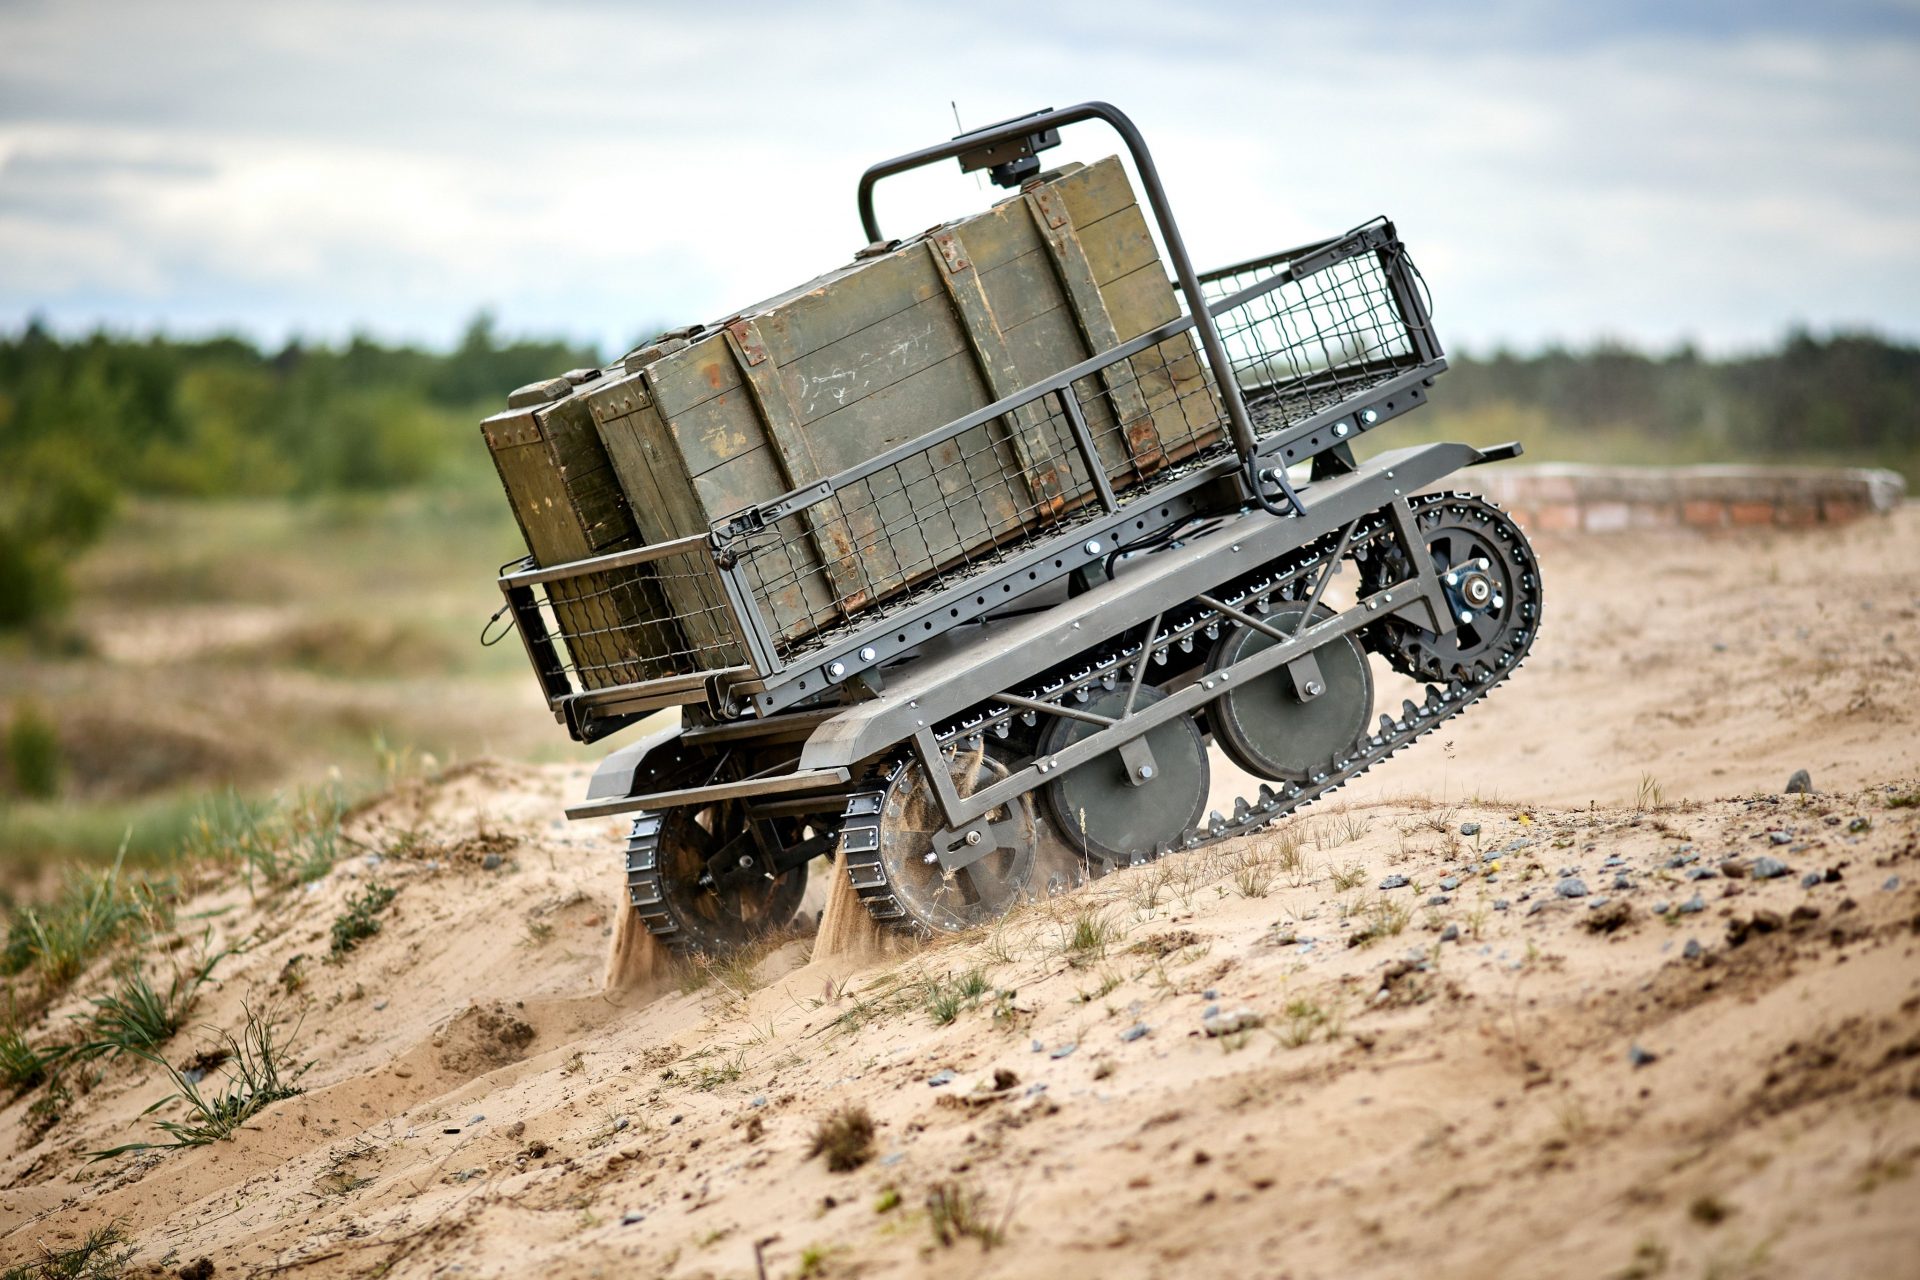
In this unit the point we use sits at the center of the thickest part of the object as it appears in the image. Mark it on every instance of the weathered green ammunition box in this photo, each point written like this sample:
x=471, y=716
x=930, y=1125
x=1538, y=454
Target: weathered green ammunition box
x=894, y=345
x=569, y=506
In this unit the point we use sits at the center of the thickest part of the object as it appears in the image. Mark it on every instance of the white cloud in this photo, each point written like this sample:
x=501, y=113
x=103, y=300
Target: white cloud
x=591, y=168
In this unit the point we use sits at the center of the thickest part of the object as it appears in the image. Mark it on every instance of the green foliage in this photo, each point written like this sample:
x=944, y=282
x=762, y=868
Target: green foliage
x=947, y=999
x=83, y=420
x=91, y=912
x=360, y=920
x=136, y=1015
x=1842, y=398
x=260, y=1072
x=103, y=1255
x=33, y=753
x=277, y=847
x=21, y=1065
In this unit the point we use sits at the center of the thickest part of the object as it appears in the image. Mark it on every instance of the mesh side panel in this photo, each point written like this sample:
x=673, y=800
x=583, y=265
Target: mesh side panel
x=655, y=621
x=935, y=516
x=1306, y=345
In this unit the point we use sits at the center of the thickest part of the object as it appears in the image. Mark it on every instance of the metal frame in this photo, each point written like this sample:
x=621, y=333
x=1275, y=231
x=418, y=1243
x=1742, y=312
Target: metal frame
x=936, y=690
x=768, y=684
x=958, y=847
x=1240, y=423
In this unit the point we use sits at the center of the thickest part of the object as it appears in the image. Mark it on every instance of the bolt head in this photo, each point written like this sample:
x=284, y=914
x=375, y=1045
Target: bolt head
x=868, y=654
x=1453, y=579
x=1092, y=547
x=1146, y=772
x=836, y=669
x=1466, y=615
x=973, y=837
x=1341, y=429
x=1499, y=602
x=1369, y=416
x=1315, y=688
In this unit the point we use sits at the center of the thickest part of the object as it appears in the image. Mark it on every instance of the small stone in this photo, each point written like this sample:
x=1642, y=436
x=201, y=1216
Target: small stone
x=1065, y=1050
x=1733, y=869
x=1622, y=881
x=1449, y=883
x=1856, y=825
x=1800, y=784
x=492, y=862
x=1893, y=882
x=1536, y=908
x=1226, y=1024
x=944, y=1076
x=1641, y=1057
x=1038, y=1047
x=1765, y=868
x=1571, y=887
x=1211, y=993
x=378, y=1005
x=374, y=859
x=759, y=1100
x=632, y=1218
x=1692, y=906
x=1500, y=904
x=1211, y=1011
x=1702, y=873
x=1615, y=861
x=1134, y=1032
x=1450, y=934
x=1779, y=837
x=1811, y=880
x=1469, y=828
x=1438, y=900
x=1395, y=881
x=1597, y=903
x=1693, y=950
x=1661, y=907
x=1679, y=860
x=478, y=1119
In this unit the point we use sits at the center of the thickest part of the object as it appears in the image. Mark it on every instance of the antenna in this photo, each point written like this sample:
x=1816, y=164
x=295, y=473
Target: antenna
x=960, y=129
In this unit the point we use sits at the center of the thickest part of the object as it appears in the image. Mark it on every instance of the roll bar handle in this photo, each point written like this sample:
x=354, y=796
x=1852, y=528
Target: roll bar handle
x=1238, y=421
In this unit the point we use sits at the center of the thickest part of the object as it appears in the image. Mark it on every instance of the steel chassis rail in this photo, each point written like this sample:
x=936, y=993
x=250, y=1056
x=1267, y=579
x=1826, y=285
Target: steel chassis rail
x=946, y=688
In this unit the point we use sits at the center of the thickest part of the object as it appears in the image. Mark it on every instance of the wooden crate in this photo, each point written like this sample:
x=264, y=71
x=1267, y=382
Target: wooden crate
x=888, y=348
x=569, y=505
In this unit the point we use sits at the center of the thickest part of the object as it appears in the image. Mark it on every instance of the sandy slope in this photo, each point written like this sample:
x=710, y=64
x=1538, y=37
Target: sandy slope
x=1412, y=1104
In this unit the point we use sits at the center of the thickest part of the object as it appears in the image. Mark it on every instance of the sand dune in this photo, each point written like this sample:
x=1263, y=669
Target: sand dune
x=1364, y=1043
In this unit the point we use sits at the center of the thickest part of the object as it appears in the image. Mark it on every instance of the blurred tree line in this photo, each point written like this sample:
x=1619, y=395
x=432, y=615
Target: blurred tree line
x=84, y=420
x=1847, y=398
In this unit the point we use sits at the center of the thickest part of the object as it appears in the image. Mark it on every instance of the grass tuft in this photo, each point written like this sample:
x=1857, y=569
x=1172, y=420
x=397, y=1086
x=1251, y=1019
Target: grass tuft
x=137, y=1015
x=947, y=999
x=260, y=1072
x=103, y=1255
x=957, y=1212
x=845, y=1137
x=21, y=1065
x=360, y=920
x=1087, y=938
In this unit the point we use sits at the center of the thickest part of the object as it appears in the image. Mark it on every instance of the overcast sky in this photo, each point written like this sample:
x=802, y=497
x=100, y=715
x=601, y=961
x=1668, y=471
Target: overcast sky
x=1563, y=172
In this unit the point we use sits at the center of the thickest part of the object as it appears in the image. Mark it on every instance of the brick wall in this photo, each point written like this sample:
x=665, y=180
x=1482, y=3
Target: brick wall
x=1564, y=496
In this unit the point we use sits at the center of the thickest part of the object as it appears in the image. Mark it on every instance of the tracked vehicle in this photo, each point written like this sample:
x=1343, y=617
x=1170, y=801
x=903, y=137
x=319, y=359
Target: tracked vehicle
x=973, y=552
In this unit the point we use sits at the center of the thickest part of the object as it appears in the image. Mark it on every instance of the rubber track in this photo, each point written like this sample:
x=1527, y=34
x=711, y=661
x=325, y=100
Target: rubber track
x=860, y=831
